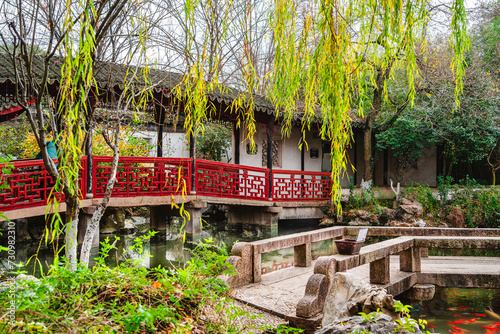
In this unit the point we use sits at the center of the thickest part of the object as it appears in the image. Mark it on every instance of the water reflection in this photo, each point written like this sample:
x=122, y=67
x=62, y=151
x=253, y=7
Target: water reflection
x=170, y=248
x=455, y=310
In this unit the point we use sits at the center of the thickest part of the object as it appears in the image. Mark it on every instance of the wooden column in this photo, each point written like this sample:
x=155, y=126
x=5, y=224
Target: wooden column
x=192, y=155
x=236, y=135
x=160, y=120
x=88, y=148
x=270, y=132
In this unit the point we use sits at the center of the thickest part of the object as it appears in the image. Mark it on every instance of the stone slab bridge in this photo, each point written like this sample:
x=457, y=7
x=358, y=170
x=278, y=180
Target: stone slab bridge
x=157, y=182
x=298, y=293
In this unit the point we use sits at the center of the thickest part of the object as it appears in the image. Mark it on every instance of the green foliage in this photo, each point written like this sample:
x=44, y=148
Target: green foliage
x=129, y=298
x=12, y=135
x=423, y=195
x=479, y=204
x=406, y=140
x=405, y=322
x=214, y=142
x=362, y=200
x=370, y=317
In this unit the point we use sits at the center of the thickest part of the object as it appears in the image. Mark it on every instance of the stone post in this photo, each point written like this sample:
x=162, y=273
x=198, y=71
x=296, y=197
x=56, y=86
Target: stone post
x=409, y=260
x=380, y=271
x=193, y=224
x=158, y=217
x=302, y=255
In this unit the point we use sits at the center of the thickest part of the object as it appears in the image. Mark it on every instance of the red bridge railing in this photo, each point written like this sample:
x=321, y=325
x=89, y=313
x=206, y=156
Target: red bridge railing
x=29, y=184
x=301, y=186
x=232, y=181
x=142, y=176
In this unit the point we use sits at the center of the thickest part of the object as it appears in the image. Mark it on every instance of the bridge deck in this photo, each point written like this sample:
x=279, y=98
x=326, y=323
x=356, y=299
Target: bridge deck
x=279, y=292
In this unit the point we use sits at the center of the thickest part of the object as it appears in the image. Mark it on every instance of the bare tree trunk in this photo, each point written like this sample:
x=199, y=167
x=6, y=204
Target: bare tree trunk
x=96, y=217
x=71, y=241
x=369, y=123
x=368, y=148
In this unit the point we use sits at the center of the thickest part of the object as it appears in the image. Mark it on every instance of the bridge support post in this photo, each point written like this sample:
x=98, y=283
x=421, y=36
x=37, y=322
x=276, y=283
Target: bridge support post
x=380, y=271
x=193, y=224
x=409, y=260
x=84, y=218
x=158, y=217
x=267, y=218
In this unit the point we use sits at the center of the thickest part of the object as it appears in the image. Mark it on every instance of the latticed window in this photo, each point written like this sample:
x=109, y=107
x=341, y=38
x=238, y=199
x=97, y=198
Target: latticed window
x=276, y=153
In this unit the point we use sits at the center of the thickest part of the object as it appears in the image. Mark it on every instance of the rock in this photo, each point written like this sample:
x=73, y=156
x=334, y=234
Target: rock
x=387, y=213
x=350, y=295
x=412, y=208
x=362, y=215
x=139, y=221
x=358, y=222
x=406, y=201
x=420, y=223
x=326, y=222
x=112, y=221
x=128, y=226
x=456, y=217
x=23, y=277
x=379, y=324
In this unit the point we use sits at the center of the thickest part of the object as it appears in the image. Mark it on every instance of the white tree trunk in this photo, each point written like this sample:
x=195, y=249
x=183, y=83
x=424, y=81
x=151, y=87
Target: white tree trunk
x=72, y=243
x=96, y=217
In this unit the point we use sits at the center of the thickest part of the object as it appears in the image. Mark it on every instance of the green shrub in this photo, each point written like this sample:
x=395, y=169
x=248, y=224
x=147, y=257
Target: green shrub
x=127, y=298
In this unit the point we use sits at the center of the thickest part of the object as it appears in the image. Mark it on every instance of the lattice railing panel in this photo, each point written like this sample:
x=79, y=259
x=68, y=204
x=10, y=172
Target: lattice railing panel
x=301, y=186
x=231, y=181
x=139, y=176
x=30, y=185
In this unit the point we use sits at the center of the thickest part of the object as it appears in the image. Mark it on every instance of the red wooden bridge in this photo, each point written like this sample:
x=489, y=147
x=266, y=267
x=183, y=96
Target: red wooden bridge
x=29, y=184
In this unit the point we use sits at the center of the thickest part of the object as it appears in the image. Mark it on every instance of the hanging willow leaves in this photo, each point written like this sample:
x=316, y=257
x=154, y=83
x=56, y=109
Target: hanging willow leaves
x=328, y=56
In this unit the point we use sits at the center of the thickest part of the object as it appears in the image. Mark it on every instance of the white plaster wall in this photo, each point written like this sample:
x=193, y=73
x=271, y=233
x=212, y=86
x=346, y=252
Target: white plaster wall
x=290, y=153
x=425, y=172
x=175, y=144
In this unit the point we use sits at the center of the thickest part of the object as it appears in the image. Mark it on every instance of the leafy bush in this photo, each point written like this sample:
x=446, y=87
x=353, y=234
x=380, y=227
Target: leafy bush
x=127, y=298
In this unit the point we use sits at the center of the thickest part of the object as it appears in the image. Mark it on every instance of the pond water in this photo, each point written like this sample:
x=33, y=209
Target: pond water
x=454, y=310
x=168, y=248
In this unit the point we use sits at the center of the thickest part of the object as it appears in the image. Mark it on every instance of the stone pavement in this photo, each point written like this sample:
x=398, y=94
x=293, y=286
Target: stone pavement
x=279, y=292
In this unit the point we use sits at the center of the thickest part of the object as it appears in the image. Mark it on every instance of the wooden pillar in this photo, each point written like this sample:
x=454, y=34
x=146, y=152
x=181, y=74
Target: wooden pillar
x=355, y=163
x=236, y=135
x=302, y=168
x=88, y=149
x=270, y=132
x=192, y=155
x=380, y=271
x=160, y=120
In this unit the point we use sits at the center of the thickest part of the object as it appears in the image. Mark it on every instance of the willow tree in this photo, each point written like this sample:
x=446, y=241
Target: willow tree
x=334, y=57
x=43, y=38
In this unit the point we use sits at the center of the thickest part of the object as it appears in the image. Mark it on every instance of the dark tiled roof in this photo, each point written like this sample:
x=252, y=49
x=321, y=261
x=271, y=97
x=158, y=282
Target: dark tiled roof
x=111, y=75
